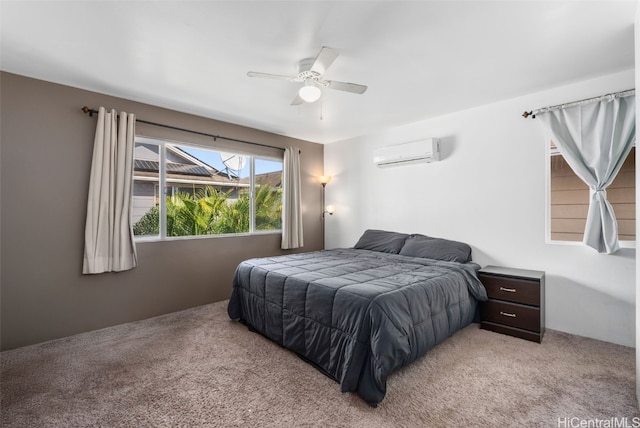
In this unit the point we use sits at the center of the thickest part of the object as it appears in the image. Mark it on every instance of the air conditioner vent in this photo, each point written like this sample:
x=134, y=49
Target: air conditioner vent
x=422, y=151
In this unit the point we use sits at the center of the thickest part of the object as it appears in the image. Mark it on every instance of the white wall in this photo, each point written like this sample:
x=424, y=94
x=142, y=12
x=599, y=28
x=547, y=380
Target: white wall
x=489, y=190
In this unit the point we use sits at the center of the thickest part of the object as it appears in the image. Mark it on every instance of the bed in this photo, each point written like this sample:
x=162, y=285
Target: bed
x=359, y=314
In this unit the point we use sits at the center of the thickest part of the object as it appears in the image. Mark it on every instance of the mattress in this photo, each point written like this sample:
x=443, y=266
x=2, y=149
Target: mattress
x=357, y=315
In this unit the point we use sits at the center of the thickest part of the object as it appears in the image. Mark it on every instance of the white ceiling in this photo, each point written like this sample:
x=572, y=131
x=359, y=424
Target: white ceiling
x=419, y=58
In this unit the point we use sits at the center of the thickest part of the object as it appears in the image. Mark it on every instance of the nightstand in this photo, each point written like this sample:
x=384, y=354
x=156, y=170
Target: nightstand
x=516, y=302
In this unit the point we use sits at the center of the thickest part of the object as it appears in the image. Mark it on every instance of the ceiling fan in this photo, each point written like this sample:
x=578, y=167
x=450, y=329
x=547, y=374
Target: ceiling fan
x=310, y=71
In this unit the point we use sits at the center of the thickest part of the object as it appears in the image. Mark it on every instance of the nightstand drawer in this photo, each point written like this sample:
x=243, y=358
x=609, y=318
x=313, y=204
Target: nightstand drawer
x=512, y=314
x=512, y=289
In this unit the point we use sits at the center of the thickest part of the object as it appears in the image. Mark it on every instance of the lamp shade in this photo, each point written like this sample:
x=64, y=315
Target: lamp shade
x=309, y=92
x=324, y=179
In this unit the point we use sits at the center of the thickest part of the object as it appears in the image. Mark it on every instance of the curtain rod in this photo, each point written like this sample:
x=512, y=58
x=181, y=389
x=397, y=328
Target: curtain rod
x=91, y=112
x=611, y=96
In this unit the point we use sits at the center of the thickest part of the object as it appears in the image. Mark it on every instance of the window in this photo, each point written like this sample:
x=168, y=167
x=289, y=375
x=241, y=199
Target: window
x=569, y=199
x=205, y=191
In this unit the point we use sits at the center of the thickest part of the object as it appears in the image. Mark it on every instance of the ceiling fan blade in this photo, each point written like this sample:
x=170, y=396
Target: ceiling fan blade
x=345, y=86
x=324, y=59
x=297, y=100
x=269, y=76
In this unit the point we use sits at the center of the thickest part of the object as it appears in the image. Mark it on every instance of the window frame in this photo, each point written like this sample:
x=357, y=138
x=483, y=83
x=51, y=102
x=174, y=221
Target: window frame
x=162, y=186
x=548, y=240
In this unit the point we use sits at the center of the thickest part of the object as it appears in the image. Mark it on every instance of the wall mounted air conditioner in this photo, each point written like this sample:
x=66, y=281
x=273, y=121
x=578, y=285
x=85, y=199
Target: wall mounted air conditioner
x=401, y=154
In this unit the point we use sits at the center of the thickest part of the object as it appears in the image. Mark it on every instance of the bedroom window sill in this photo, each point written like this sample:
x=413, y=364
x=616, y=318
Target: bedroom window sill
x=140, y=240
x=623, y=244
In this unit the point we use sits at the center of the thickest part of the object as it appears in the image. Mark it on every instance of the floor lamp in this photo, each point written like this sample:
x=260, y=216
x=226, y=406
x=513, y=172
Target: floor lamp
x=324, y=179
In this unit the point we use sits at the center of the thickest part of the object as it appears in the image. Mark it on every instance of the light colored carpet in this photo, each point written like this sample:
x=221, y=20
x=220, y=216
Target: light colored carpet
x=197, y=368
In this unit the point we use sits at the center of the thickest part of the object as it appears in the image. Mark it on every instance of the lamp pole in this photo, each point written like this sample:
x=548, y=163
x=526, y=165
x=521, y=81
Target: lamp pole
x=324, y=185
x=324, y=179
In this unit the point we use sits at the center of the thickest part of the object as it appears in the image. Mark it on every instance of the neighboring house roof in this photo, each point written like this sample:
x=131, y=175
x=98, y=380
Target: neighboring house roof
x=175, y=168
x=274, y=179
x=193, y=170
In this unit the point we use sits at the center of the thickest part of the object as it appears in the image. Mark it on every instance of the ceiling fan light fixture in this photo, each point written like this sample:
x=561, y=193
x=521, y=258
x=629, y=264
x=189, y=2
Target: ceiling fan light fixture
x=310, y=72
x=309, y=92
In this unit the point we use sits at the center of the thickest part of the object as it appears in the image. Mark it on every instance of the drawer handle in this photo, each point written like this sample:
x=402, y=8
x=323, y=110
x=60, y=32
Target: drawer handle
x=510, y=290
x=507, y=314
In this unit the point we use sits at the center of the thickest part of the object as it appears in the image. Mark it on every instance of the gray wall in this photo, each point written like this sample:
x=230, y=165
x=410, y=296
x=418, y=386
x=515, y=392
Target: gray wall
x=46, y=149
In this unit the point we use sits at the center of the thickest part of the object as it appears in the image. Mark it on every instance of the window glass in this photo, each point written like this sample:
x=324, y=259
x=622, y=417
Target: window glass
x=206, y=192
x=146, y=190
x=569, y=199
x=268, y=194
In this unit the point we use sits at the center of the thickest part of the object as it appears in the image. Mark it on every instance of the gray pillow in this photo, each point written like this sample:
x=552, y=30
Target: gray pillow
x=381, y=240
x=436, y=248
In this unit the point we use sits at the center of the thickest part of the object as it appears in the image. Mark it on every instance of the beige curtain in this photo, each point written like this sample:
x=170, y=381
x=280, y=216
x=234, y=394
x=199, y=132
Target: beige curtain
x=109, y=245
x=291, y=200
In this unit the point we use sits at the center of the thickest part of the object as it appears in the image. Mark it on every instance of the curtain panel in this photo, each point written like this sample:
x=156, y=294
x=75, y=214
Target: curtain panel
x=291, y=200
x=109, y=245
x=595, y=138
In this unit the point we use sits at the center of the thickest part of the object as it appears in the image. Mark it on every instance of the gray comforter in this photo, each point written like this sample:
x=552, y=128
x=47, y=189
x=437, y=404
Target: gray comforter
x=358, y=315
